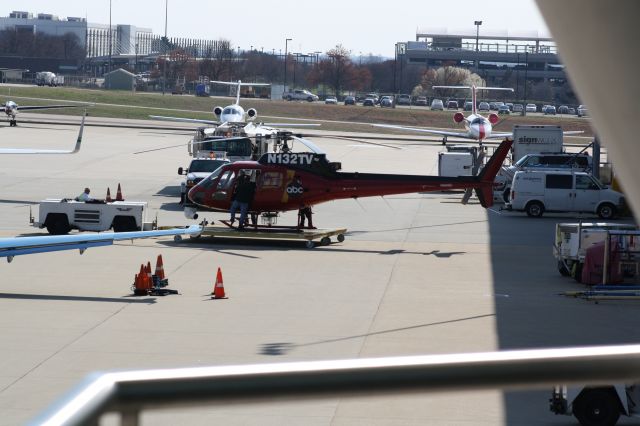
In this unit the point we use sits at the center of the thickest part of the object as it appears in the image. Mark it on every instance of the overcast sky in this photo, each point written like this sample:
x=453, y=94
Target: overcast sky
x=362, y=26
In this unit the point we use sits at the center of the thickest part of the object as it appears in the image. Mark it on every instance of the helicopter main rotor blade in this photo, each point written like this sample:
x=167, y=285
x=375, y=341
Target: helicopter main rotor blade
x=313, y=147
x=194, y=143
x=361, y=141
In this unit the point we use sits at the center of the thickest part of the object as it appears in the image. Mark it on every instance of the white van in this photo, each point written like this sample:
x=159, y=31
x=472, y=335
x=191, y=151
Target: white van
x=537, y=161
x=537, y=191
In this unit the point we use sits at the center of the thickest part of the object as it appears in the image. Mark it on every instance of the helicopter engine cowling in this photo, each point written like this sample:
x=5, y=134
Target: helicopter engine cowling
x=493, y=118
x=190, y=213
x=217, y=111
x=252, y=113
x=458, y=117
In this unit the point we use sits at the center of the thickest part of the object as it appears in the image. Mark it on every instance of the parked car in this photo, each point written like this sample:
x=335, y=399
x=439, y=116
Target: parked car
x=510, y=105
x=518, y=107
x=582, y=111
x=451, y=104
x=350, y=100
x=498, y=105
x=549, y=110
x=331, y=100
x=504, y=110
x=572, y=111
x=468, y=106
x=373, y=96
x=421, y=101
x=483, y=106
x=369, y=102
x=403, y=99
x=492, y=106
x=386, y=101
x=531, y=108
x=437, y=105
x=563, y=109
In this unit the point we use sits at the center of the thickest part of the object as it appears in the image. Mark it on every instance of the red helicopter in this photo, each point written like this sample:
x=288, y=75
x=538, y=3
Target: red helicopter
x=297, y=180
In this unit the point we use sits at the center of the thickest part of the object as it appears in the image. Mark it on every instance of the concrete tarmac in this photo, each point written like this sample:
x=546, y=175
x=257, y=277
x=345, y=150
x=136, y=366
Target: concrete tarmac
x=417, y=274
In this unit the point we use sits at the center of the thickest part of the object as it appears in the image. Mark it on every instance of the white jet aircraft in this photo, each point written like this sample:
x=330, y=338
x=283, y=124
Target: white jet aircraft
x=48, y=151
x=234, y=114
x=477, y=126
x=11, y=109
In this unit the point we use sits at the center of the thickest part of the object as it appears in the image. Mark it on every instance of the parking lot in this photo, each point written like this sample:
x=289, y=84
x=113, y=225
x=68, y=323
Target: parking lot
x=417, y=274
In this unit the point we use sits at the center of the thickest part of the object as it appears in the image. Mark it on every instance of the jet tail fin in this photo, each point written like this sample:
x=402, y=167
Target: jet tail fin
x=485, y=178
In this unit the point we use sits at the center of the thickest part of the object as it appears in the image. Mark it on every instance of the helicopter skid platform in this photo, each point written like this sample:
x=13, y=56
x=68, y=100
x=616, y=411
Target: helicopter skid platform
x=312, y=237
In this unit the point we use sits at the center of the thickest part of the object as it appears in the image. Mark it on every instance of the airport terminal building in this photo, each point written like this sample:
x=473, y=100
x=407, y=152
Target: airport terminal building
x=493, y=55
x=123, y=44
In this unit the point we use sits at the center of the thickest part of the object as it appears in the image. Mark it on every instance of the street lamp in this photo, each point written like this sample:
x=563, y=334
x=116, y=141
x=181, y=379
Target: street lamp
x=286, y=45
x=477, y=24
x=164, y=46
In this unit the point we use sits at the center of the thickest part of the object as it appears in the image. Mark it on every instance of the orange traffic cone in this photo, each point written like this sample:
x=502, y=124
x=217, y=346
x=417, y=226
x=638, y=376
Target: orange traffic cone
x=119, y=194
x=149, y=275
x=218, y=288
x=160, y=268
x=139, y=285
x=108, y=199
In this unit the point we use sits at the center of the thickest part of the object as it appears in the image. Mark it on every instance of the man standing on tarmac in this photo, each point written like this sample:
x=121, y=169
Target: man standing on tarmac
x=242, y=197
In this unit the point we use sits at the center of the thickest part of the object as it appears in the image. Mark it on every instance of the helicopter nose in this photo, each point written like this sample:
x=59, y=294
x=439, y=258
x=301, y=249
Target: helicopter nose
x=196, y=195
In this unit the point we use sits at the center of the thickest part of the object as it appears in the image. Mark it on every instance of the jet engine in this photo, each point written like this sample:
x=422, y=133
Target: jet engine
x=458, y=117
x=252, y=113
x=493, y=118
x=217, y=111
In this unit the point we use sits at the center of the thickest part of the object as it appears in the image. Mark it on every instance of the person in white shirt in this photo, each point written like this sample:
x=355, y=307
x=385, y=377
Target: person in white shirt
x=85, y=196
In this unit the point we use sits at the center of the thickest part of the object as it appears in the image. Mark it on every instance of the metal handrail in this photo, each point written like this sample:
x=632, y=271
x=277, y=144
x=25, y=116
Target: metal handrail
x=130, y=392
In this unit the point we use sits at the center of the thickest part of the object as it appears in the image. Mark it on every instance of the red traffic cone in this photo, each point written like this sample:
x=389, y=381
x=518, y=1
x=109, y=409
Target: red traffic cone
x=108, y=199
x=218, y=288
x=119, y=194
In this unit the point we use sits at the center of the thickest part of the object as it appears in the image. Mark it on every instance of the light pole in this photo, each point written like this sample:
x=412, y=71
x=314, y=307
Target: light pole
x=164, y=47
x=286, y=45
x=477, y=24
x=109, y=82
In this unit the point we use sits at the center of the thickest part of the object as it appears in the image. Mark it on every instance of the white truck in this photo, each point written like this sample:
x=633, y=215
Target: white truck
x=47, y=78
x=300, y=95
x=60, y=216
x=459, y=160
x=198, y=169
x=573, y=239
x=527, y=140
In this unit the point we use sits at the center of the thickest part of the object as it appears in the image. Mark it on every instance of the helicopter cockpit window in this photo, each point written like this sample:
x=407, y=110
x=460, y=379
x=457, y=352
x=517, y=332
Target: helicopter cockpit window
x=209, y=180
x=226, y=180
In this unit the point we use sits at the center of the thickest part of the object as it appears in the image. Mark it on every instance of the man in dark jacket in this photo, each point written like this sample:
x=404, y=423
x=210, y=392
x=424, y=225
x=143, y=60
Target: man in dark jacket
x=242, y=197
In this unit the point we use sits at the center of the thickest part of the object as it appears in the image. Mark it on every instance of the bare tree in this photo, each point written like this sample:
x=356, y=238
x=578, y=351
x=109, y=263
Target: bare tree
x=448, y=76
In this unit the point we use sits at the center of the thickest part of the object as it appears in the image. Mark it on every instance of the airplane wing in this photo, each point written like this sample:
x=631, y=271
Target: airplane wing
x=48, y=151
x=292, y=124
x=431, y=131
x=500, y=135
x=26, y=108
x=16, y=246
x=235, y=83
x=185, y=120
